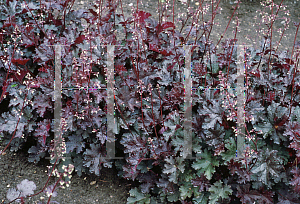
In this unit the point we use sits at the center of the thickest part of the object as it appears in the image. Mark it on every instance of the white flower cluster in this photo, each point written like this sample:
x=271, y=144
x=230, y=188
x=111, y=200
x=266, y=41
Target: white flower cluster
x=67, y=173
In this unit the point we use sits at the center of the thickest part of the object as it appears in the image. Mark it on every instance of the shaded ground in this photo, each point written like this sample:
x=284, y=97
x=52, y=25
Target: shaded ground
x=246, y=12
x=108, y=188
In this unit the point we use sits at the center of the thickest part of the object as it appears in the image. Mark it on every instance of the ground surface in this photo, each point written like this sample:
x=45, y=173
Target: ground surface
x=108, y=188
x=247, y=24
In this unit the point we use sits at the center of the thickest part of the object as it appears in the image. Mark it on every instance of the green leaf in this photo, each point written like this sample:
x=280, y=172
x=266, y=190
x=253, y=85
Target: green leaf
x=154, y=200
x=265, y=128
x=137, y=197
x=129, y=36
x=228, y=133
x=269, y=166
x=85, y=135
x=171, y=124
x=296, y=114
x=214, y=137
x=260, y=144
x=78, y=163
x=202, y=199
x=206, y=164
x=33, y=5
x=123, y=42
x=171, y=168
x=231, y=150
x=214, y=112
x=256, y=110
x=186, y=175
x=28, y=114
x=144, y=166
x=178, y=140
x=9, y=123
x=50, y=27
x=276, y=110
x=214, y=68
x=218, y=190
x=263, y=172
x=186, y=190
x=197, y=148
x=173, y=197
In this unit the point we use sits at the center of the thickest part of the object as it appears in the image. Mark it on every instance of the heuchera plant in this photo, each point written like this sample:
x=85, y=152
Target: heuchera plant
x=149, y=97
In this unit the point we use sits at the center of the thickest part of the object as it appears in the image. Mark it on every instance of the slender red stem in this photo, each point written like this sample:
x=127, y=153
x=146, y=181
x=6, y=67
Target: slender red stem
x=228, y=23
x=153, y=115
x=295, y=70
x=54, y=188
x=37, y=24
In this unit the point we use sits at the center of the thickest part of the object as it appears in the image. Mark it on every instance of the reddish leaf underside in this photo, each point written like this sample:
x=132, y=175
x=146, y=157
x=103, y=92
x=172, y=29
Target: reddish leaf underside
x=143, y=15
x=79, y=39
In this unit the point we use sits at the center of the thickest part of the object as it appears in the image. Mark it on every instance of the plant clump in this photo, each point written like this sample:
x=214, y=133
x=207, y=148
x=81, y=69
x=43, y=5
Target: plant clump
x=149, y=111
